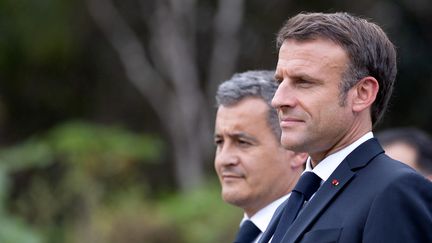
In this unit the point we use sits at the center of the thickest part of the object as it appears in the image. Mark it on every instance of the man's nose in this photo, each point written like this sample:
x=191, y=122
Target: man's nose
x=226, y=156
x=284, y=96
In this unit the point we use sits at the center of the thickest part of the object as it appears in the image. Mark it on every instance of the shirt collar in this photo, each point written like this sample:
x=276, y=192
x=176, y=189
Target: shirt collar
x=262, y=218
x=329, y=164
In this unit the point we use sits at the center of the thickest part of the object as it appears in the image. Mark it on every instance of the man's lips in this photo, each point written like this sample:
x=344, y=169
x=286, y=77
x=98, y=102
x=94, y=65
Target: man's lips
x=287, y=121
x=230, y=175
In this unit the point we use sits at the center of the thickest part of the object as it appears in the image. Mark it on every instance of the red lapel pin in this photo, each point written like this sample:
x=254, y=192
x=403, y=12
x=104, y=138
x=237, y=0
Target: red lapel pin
x=335, y=182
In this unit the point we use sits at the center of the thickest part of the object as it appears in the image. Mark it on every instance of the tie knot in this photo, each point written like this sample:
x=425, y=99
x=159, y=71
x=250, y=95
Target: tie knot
x=308, y=184
x=248, y=232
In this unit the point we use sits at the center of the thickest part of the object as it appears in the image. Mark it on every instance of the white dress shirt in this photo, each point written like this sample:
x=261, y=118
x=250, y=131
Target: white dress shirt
x=329, y=164
x=262, y=218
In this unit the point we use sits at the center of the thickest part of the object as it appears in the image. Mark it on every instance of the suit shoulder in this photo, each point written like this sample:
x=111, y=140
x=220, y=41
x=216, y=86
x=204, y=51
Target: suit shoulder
x=399, y=176
x=406, y=195
x=383, y=173
x=387, y=166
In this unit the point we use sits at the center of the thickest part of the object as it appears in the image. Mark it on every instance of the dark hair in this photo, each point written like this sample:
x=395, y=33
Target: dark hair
x=259, y=84
x=415, y=138
x=368, y=48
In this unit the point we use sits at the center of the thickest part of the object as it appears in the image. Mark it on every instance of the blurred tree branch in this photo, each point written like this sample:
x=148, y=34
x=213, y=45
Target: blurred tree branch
x=228, y=21
x=178, y=100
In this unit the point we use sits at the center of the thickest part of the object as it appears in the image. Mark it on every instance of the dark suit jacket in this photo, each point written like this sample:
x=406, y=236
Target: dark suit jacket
x=377, y=199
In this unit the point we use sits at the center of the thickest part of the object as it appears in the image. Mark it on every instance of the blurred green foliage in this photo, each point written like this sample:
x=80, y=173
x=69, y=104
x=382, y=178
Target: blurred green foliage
x=81, y=182
x=198, y=216
x=38, y=31
x=202, y=216
x=55, y=179
x=13, y=230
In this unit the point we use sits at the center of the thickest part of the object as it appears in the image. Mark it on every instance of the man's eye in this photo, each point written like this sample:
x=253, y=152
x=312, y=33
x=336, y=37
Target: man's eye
x=243, y=143
x=304, y=83
x=218, y=142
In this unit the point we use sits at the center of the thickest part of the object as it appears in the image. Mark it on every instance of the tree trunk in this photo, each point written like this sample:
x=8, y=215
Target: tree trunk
x=179, y=101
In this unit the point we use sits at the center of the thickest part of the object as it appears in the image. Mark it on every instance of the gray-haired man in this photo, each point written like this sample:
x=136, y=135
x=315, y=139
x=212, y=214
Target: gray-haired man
x=255, y=171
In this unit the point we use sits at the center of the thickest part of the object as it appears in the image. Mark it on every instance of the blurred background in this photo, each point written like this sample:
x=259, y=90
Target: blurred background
x=107, y=109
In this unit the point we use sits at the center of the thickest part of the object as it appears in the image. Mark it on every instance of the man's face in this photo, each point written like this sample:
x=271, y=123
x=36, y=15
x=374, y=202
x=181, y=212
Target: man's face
x=249, y=160
x=403, y=152
x=312, y=116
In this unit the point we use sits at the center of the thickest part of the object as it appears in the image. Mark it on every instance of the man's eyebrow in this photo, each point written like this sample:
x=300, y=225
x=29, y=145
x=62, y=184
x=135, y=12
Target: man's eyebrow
x=243, y=135
x=306, y=77
x=300, y=75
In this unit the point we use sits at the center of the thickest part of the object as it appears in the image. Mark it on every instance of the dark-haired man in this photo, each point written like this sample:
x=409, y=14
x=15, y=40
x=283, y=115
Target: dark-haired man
x=336, y=74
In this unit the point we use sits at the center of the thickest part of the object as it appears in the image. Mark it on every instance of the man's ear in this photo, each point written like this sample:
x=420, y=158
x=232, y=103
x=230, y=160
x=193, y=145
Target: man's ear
x=364, y=93
x=299, y=160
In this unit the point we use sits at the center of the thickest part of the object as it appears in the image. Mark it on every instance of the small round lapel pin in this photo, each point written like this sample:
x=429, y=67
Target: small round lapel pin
x=335, y=182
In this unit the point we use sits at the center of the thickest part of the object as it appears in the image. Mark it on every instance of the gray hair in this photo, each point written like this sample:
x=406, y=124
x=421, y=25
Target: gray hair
x=369, y=50
x=259, y=84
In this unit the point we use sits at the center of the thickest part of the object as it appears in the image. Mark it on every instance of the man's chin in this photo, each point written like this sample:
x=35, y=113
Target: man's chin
x=291, y=143
x=233, y=197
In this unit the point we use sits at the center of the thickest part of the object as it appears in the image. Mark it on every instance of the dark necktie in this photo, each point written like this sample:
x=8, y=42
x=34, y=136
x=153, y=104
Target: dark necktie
x=307, y=185
x=248, y=232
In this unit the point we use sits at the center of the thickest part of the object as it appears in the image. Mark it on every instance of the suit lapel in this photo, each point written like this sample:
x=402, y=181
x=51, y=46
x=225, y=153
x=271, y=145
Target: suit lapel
x=341, y=177
x=268, y=233
x=321, y=198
